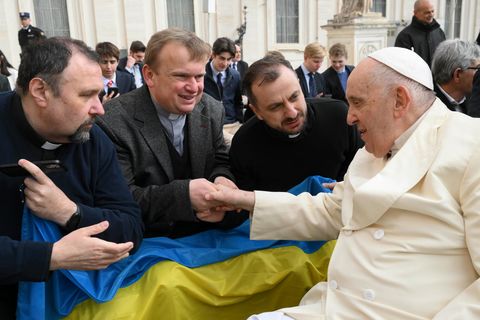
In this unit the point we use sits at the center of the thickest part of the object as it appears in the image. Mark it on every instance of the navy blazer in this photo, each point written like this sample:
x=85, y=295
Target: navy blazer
x=122, y=63
x=232, y=94
x=320, y=84
x=242, y=67
x=334, y=87
x=125, y=83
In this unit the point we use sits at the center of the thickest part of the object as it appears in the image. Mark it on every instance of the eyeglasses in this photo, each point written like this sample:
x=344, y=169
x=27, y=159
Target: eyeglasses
x=474, y=68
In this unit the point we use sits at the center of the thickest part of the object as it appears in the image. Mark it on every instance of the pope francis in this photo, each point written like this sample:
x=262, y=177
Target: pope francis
x=407, y=216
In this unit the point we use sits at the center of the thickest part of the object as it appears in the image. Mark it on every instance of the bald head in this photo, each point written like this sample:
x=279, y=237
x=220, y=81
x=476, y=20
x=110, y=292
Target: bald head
x=424, y=11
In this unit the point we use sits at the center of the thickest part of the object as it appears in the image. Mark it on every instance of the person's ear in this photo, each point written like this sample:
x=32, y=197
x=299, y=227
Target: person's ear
x=255, y=110
x=148, y=75
x=403, y=100
x=456, y=75
x=38, y=89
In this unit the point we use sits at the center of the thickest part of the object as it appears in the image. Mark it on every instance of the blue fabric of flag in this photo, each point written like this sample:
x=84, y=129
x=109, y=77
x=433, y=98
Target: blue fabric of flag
x=58, y=296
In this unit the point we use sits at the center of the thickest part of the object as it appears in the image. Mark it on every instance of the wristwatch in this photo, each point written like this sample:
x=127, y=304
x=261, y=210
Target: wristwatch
x=74, y=220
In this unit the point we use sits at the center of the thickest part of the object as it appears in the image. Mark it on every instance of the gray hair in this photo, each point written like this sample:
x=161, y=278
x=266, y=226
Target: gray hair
x=422, y=97
x=451, y=55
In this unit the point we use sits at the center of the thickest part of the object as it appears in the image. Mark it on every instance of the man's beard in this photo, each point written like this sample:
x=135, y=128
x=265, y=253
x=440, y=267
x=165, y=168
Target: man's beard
x=83, y=132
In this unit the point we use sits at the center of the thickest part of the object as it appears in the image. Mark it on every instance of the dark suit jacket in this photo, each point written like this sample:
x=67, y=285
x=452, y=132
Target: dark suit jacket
x=124, y=81
x=122, y=63
x=320, y=84
x=242, y=67
x=232, y=95
x=451, y=106
x=131, y=121
x=4, y=83
x=334, y=87
x=474, y=103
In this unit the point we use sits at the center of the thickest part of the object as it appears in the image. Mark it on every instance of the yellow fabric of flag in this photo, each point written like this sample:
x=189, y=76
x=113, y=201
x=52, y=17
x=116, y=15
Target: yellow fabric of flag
x=254, y=282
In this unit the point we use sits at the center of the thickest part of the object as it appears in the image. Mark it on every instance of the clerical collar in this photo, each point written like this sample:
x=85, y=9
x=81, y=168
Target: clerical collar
x=400, y=141
x=26, y=129
x=164, y=113
x=297, y=136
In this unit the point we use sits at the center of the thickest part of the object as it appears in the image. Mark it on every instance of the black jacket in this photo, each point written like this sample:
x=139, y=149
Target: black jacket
x=320, y=84
x=461, y=107
x=424, y=39
x=263, y=158
x=474, y=103
x=334, y=87
x=232, y=94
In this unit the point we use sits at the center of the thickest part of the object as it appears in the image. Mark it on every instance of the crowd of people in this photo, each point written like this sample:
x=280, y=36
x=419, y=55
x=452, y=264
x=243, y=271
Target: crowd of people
x=159, y=143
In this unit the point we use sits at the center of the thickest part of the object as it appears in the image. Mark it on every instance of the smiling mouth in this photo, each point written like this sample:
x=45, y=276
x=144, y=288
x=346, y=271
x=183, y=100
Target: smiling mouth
x=188, y=97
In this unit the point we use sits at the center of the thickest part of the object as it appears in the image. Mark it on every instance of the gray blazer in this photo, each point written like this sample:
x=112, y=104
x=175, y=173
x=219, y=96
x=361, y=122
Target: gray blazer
x=132, y=123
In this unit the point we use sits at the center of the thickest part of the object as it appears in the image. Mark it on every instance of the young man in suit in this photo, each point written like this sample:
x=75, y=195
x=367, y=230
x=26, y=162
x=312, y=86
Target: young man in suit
x=336, y=75
x=169, y=138
x=112, y=78
x=311, y=81
x=133, y=63
x=406, y=215
x=454, y=65
x=237, y=62
x=224, y=84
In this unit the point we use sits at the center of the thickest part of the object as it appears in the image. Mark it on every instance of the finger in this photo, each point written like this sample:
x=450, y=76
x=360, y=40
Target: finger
x=35, y=171
x=93, y=229
x=116, y=249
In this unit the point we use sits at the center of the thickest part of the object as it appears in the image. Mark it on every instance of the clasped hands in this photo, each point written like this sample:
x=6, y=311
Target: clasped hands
x=207, y=208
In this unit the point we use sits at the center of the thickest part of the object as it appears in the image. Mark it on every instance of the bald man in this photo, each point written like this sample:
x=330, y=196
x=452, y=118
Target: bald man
x=424, y=34
x=406, y=217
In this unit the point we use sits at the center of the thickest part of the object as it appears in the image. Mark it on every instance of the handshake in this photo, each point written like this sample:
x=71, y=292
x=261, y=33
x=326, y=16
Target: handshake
x=211, y=200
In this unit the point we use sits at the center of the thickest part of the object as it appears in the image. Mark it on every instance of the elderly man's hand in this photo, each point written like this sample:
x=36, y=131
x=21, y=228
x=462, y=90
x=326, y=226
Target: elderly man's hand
x=44, y=198
x=225, y=182
x=232, y=198
x=80, y=251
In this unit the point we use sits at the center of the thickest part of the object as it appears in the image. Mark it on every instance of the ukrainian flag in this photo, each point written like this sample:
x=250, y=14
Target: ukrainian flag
x=211, y=275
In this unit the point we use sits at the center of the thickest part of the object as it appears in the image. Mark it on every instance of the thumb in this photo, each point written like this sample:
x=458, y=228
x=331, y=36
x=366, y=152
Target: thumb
x=95, y=229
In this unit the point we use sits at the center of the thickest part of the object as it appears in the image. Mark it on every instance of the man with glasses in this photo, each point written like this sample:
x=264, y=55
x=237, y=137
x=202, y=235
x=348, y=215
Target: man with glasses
x=454, y=64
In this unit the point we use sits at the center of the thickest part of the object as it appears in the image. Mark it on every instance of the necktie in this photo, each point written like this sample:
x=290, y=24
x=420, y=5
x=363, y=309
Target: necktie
x=110, y=83
x=219, y=83
x=311, y=85
x=234, y=66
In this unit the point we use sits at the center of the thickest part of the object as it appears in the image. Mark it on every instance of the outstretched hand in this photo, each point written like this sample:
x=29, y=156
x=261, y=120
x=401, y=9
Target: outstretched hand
x=232, y=198
x=78, y=250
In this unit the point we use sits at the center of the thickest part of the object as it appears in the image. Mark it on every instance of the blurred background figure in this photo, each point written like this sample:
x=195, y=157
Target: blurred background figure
x=133, y=63
x=28, y=33
x=336, y=76
x=8, y=70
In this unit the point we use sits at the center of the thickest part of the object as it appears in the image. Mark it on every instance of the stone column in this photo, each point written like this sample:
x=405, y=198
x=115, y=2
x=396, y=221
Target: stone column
x=360, y=33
